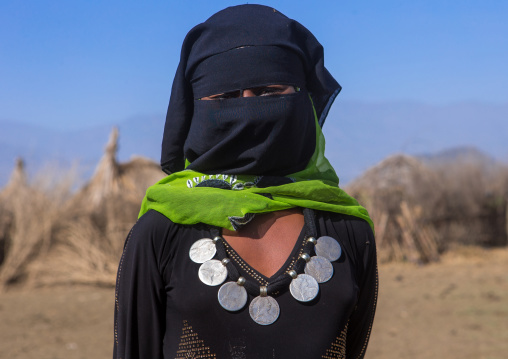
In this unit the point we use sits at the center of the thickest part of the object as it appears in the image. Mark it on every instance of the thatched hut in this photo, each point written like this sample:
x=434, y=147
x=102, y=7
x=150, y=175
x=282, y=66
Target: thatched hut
x=123, y=181
x=17, y=185
x=50, y=237
x=397, y=178
x=397, y=191
x=26, y=216
x=98, y=217
x=421, y=209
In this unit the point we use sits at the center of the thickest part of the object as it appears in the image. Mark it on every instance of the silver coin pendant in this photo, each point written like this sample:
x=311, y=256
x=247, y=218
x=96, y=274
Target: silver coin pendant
x=319, y=268
x=202, y=250
x=329, y=248
x=232, y=296
x=304, y=288
x=212, y=272
x=264, y=310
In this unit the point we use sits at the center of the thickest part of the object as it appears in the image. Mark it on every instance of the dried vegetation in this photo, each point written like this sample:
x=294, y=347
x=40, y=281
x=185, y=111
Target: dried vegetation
x=51, y=233
x=55, y=235
x=421, y=210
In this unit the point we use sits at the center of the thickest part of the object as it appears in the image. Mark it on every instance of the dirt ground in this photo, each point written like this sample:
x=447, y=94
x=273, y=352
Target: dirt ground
x=457, y=308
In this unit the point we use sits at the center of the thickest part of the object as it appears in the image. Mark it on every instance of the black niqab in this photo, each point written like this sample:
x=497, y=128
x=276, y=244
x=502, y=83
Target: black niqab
x=237, y=48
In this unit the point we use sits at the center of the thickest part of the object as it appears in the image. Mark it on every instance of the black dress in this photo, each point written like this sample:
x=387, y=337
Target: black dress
x=163, y=310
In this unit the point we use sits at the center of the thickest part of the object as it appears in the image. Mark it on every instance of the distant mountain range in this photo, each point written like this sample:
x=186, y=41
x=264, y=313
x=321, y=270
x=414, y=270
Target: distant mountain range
x=458, y=154
x=358, y=136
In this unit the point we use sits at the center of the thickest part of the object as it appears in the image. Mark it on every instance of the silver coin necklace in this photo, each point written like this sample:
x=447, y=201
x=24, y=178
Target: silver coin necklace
x=303, y=279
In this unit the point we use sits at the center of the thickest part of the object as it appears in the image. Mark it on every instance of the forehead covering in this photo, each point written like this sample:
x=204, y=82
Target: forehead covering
x=259, y=32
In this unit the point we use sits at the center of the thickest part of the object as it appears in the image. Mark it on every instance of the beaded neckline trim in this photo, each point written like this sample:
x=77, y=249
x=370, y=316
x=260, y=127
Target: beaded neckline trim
x=303, y=279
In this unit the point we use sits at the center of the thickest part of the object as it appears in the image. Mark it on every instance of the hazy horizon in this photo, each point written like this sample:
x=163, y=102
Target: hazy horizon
x=358, y=136
x=417, y=77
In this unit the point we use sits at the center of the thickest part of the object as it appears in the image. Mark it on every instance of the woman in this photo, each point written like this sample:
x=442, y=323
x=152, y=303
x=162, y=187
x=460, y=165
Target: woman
x=248, y=249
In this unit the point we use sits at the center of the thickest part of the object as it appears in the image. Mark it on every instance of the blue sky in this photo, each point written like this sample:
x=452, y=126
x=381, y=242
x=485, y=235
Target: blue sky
x=76, y=64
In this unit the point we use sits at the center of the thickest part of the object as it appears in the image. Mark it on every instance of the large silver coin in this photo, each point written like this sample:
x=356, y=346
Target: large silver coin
x=202, y=250
x=304, y=288
x=212, y=272
x=329, y=248
x=319, y=268
x=232, y=296
x=264, y=310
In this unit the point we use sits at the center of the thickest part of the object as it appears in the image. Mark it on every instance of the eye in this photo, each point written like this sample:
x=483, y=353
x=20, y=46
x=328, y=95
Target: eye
x=267, y=91
x=223, y=96
x=272, y=90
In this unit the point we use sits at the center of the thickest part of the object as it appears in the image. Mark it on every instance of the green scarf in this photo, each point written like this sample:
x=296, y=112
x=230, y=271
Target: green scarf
x=315, y=187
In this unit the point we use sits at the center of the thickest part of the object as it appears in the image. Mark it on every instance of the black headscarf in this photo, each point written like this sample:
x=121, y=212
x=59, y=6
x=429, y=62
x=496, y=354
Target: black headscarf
x=243, y=47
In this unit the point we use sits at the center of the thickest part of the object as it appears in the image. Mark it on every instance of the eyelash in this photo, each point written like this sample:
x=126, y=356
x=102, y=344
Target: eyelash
x=226, y=95
x=268, y=91
x=263, y=91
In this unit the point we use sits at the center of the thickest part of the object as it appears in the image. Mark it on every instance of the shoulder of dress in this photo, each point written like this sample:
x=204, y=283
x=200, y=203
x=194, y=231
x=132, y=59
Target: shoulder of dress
x=154, y=219
x=349, y=228
x=152, y=227
x=356, y=224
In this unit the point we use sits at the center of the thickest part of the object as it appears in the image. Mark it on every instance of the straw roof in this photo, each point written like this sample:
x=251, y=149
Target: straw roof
x=406, y=173
x=127, y=180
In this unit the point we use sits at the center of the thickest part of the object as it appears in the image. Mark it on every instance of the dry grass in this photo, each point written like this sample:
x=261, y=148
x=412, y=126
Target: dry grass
x=30, y=213
x=84, y=256
x=420, y=211
x=51, y=232
x=88, y=245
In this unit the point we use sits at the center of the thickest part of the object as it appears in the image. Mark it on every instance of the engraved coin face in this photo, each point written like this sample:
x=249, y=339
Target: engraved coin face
x=264, y=310
x=304, y=288
x=202, y=250
x=212, y=272
x=329, y=248
x=232, y=296
x=319, y=268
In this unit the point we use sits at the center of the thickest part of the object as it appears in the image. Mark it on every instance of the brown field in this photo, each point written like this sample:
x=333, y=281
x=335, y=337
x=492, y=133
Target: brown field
x=59, y=250
x=456, y=308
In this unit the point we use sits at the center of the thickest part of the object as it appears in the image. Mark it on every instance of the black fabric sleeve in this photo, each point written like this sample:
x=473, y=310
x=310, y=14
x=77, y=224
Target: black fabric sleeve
x=362, y=318
x=140, y=296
